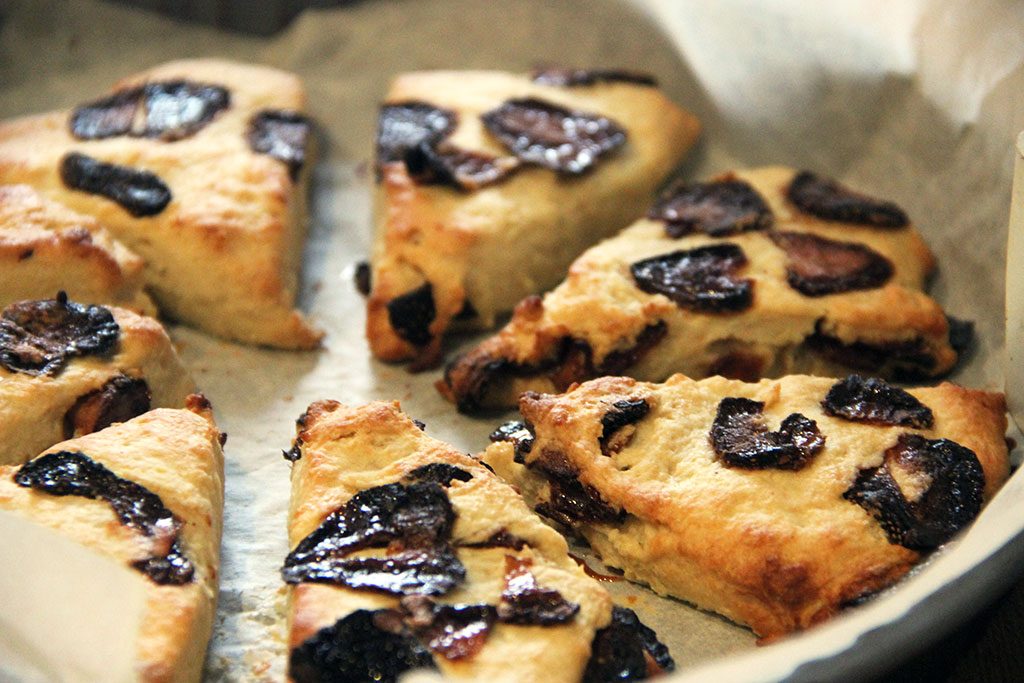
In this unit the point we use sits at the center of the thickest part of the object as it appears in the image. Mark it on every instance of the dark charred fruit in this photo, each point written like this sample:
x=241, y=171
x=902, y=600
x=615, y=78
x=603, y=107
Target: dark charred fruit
x=618, y=424
x=827, y=199
x=525, y=603
x=704, y=279
x=719, y=208
x=453, y=631
x=961, y=334
x=568, y=77
x=411, y=314
x=282, y=135
x=138, y=192
x=626, y=650
x=545, y=134
x=439, y=473
x=817, y=266
x=741, y=438
x=949, y=487
x=909, y=359
x=519, y=435
x=363, y=278
x=445, y=164
x=120, y=399
x=875, y=401
x=500, y=539
x=571, y=501
x=403, y=127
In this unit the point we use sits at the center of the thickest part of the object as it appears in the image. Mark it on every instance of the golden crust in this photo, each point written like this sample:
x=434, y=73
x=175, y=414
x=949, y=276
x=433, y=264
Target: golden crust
x=224, y=254
x=345, y=450
x=33, y=408
x=599, y=309
x=491, y=247
x=775, y=549
x=175, y=454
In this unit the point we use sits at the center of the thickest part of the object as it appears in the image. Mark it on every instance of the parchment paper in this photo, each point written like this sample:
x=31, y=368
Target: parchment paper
x=914, y=101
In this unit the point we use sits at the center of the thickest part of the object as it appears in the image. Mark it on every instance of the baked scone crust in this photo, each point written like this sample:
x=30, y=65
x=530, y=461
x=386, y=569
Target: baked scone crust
x=345, y=450
x=599, y=310
x=176, y=454
x=774, y=549
x=492, y=246
x=224, y=254
x=33, y=408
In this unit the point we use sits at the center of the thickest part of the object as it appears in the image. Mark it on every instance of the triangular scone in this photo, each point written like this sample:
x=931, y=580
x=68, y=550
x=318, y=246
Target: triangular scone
x=407, y=553
x=150, y=493
x=46, y=247
x=775, y=504
x=67, y=369
x=198, y=166
x=754, y=274
x=490, y=183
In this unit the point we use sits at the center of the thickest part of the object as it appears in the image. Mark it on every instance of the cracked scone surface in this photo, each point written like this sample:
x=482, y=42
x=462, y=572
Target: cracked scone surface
x=775, y=547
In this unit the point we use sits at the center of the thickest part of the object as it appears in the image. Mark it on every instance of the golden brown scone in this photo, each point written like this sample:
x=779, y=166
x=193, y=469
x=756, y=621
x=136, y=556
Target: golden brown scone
x=46, y=247
x=774, y=504
x=171, y=536
x=731, y=278
x=67, y=369
x=396, y=537
x=470, y=218
x=202, y=173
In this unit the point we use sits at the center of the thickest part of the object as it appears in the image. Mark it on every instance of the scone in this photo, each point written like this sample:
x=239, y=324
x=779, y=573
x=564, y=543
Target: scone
x=490, y=183
x=149, y=493
x=409, y=554
x=198, y=166
x=46, y=247
x=67, y=369
x=754, y=274
x=775, y=504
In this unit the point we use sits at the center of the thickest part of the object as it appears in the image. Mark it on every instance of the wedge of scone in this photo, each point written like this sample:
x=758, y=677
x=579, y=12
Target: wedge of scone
x=68, y=369
x=490, y=183
x=46, y=247
x=754, y=274
x=149, y=493
x=775, y=504
x=408, y=554
x=199, y=167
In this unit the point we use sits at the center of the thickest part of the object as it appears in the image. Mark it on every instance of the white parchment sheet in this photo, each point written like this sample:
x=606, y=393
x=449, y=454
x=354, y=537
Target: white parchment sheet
x=915, y=101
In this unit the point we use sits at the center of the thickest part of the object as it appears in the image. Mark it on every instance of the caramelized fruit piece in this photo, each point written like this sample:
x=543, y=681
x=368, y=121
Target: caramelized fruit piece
x=741, y=438
x=568, y=77
x=120, y=399
x=571, y=501
x=702, y=279
x=873, y=400
x=525, y=603
x=282, y=135
x=720, y=208
x=411, y=314
x=818, y=266
x=825, y=198
x=617, y=425
x=139, y=192
x=445, y=164
x=402, y=128
x=519, y=434
x=440, y=473
x=626, y=650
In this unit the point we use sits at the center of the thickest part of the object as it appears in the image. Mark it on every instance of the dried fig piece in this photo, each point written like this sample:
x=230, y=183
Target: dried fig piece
x=427, y=570
x=453, y=631
x=719, y=208
x=107, y=117
x=618, y=424
x=545, y=134
x=445, y=164
x=741, y=438
x=875, y=401
x=961, y=334
x=120, y=399
x=411, y=314
x=702, y=279
x=626, y=650
x=571, y=501
x=39, y=337
x=818, y=266
x=499, y=539
x=354, y=648
x=519, y=434
x=568, y=77
x=907, y=358
x=525, y=603
x=139, y=192
x=73, y=473
x=440, y=473
x=283, y=135
x=923, y=493
x=827, y=199
x=403, y=127
x=362, y=276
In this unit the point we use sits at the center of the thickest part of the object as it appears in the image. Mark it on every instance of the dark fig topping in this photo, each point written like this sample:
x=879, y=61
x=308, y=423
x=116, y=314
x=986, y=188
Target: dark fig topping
x=119, y=400
x=499, y=539
x=571, y=501
x=618, y=424
x=282, y=135
x=429, y=570
x=439, y=473
x=908, y=359
x=827, y=199
x=741, y=365
x=924, y=491
x=67, y=473
x=961, y=334
x=420, y=425
x=545, y=134
x=411, y=314
x=402, y=128
x=702, y=279
x=363, y=278
x=293, y=454
x=617, y=362
x=568, y=77
x=39, y=337
x=445, y=164
x=170, y=110
x=453, y=631
x=626, y=650
x=720, y=208
x=525, y=603
x=818, y=266
x=741, y=438
x=354, y=648
x=139, y=192
x=877, y=402
x=519, y=434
